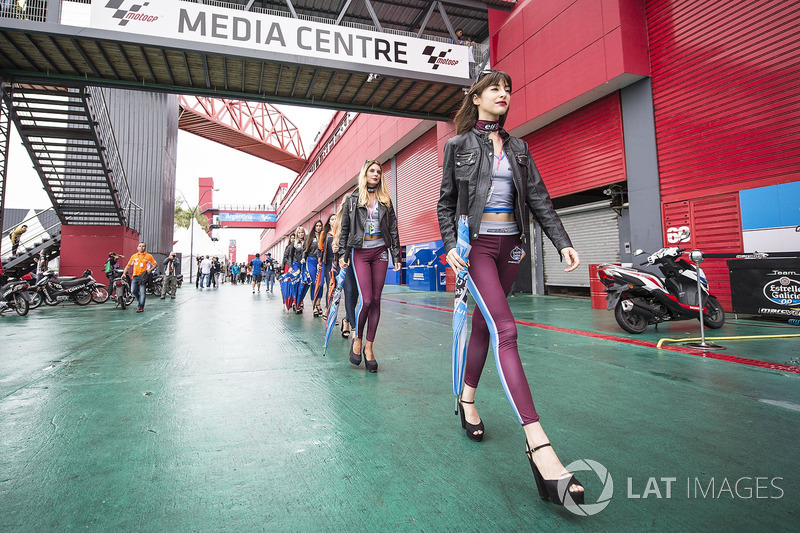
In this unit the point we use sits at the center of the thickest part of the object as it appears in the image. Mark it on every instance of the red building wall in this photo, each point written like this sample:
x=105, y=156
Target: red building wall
x=583, y=150
x=85, y=247
x=564, y=54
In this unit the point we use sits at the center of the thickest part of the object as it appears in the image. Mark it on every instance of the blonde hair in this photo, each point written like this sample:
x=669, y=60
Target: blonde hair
x=297, y=232
x=337, y=226
x=382, y=190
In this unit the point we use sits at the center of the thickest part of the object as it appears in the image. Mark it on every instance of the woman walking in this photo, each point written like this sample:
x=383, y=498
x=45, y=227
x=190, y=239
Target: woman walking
x=296, y=259
x=314, y=267
x=286, y=265
x=331, y=266
x=490, y=176
x=368, y=234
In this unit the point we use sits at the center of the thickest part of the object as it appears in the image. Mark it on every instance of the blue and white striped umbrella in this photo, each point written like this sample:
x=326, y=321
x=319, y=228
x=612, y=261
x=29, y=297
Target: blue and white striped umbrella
x=460, y=308
x=333, y=310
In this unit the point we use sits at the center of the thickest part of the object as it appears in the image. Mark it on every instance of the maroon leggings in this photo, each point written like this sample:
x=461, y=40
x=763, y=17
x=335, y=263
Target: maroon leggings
x=369, y=267
x=493, y=264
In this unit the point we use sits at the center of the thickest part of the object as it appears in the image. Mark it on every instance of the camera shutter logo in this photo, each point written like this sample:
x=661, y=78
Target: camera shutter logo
x=123, y=13
x=587, y=509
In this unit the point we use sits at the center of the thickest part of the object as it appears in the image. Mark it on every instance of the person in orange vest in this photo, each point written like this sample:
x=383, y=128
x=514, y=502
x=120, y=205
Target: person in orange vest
x=141, y=264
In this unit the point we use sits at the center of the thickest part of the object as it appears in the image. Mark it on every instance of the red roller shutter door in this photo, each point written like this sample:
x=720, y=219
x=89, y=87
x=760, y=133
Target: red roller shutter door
x=726, y=94
x=583, y=150
x=419, y=179
x=715, y=224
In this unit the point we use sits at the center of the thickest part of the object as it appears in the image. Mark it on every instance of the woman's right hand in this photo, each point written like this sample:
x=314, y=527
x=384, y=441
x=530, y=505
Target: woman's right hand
x=343, y=263
x=455, y=261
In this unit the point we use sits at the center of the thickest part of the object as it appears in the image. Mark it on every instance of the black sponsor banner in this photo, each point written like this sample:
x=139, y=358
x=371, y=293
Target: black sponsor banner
x=769, y=287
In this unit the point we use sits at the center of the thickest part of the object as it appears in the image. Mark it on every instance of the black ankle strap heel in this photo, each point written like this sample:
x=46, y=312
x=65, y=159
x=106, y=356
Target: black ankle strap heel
x=549, y=488
x=470, y=428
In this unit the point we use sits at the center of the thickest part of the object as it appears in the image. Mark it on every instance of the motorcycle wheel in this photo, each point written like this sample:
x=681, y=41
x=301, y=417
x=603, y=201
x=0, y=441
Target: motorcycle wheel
x=130, y=298
x=715, y=318
x=100, y=295
x=83, y=297
x=20, y=304
x=36, y=300
x=157, y=288
x=121, y=298
x=630, y=321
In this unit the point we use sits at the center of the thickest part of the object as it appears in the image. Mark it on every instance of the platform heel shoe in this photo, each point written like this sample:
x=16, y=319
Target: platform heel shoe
x=355, y=358
x=371, y=365
x=471, y=428
x=549, y=488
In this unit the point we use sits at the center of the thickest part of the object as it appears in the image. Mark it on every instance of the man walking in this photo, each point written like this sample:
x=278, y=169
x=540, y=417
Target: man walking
x=269, y=272
x=172, y=266
x=16, y=237
x=142, y=264
x=205, y=269
x=216, y=268
x=256, y=264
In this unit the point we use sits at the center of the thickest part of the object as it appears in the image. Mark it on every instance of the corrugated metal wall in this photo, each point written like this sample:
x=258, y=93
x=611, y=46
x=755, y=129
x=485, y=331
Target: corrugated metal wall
x=583, y=150
x=419, y=179
x=726, y=93
x=146, y=129
x=594, y=232
x=715, y=224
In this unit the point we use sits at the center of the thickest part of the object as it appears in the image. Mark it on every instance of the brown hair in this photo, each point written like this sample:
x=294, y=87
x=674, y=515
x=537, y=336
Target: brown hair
x=467, y=115
x=311, y=234
x=381, y=191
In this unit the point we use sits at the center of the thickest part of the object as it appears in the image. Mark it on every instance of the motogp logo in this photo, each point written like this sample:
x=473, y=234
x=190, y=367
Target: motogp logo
x=126, y=15
x=440, y=59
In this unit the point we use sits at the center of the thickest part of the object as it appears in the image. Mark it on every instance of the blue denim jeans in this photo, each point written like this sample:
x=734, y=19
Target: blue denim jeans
x=138, y=290
x=205, y=280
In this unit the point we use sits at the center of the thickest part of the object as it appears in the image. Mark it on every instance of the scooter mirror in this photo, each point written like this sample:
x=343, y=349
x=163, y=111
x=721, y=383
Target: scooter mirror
x=638, y=251
x=684, y=235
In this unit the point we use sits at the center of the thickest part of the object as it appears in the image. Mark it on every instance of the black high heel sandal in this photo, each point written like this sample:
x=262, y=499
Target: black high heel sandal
x=345, y=334
x=471, y=428
x=549, y=488
x=355, y=358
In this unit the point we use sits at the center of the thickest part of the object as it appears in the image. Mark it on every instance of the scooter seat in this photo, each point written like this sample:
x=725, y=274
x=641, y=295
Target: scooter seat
x=72, y=282
x=62, y=279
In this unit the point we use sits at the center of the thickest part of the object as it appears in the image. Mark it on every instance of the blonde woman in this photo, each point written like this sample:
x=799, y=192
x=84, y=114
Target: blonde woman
x=368, y=234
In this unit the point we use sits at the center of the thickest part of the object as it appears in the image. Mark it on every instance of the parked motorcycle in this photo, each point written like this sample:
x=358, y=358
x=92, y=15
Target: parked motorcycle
x=52, y=290
x=12, y=297
x=121, y=284
x=639, y=298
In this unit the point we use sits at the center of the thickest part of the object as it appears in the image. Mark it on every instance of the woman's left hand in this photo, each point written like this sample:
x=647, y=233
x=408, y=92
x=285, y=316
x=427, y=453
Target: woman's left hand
x=570, y=255
x=397, y=266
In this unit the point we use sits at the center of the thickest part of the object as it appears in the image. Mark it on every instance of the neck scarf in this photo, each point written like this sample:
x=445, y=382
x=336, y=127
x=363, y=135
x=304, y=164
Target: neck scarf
x=488, y=125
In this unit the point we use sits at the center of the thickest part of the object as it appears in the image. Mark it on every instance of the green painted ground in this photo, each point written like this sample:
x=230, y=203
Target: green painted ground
x=218, y=412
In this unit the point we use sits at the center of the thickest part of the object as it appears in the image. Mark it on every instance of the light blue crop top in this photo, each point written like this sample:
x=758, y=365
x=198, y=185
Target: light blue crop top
x=500, y=198
x=373, y=226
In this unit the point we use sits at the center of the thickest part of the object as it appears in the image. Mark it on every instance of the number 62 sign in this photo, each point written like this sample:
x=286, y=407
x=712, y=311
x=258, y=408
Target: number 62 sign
x=674, y=234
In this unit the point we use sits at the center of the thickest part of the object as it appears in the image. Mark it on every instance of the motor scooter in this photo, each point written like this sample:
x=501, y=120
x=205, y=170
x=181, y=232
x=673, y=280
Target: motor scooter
x=53, y=290
x=121, y=285
x=12, y=296
x=640, y=298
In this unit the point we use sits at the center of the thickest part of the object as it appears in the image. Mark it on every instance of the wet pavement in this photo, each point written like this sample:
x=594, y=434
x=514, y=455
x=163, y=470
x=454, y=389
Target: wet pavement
x=217, y=411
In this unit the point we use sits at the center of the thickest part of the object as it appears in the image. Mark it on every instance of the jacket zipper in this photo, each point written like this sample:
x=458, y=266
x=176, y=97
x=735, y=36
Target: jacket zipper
x=519, y=197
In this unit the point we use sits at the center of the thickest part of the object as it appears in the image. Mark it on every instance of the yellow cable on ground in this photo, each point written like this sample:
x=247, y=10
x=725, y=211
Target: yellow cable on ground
x=726, y=338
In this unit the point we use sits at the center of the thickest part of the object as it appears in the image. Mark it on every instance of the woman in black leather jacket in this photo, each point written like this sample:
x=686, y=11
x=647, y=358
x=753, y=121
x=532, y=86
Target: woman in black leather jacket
x=490, y=176
x=297, y=260
x=369, y=233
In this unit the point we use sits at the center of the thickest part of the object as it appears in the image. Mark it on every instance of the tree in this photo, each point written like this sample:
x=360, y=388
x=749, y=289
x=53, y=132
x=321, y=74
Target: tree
x=183, y=216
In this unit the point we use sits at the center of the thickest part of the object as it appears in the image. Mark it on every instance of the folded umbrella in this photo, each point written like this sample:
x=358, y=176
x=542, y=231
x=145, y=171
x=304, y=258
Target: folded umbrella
x=460, y=310
x=333, y=310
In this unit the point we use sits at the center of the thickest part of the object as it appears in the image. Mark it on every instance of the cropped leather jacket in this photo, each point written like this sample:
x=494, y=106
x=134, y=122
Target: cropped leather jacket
x=468, y=163
x=354, y=219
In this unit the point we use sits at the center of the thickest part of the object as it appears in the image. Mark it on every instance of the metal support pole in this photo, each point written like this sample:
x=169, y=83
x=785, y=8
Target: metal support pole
x=697, y=257
x=373, y=15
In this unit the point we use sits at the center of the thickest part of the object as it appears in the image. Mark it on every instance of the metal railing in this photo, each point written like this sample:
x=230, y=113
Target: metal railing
x=105, y=131
x=29, y=239
x=24, y=9
x=237, y=207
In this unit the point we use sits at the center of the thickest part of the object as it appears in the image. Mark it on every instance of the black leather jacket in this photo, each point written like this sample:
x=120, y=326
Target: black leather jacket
x=354, y=217
x=468, y=162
